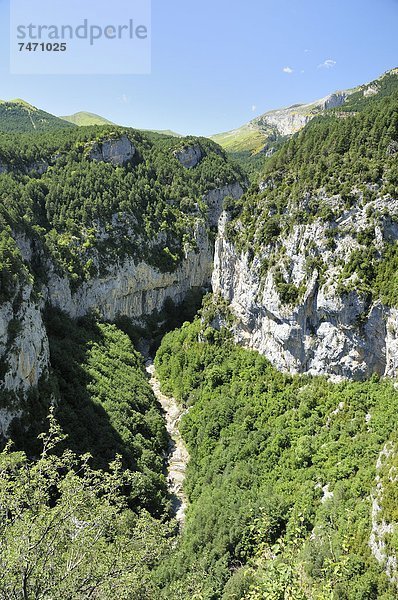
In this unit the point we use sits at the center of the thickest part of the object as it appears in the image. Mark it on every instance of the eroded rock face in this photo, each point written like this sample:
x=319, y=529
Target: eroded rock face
x=335, y=100
x=215, y=198
x=135, y=289
x=128, y=288
x=189, y=156
x=117, y=152
x=290, y=120
x=286, y=122
x=326, y=330
x=382, y=529
x=23, y=343
x=24, y=351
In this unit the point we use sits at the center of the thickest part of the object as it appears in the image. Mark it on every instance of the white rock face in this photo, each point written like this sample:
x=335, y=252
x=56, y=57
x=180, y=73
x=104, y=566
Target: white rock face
x=189, y=156
x=24, y=350
x=335, y=100
x=287, y=121
x=392, y=343
x=380, y=528
x=117, y=152
x=135, y=290
x=326, y=331
x=215, y=198
x=371, y=90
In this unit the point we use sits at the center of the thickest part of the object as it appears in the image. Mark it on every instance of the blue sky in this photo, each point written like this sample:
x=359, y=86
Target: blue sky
x=218, y=63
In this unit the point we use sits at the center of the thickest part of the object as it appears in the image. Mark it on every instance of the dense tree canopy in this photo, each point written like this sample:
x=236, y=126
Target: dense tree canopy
x=280, y=477
x=80, y=208
x=66, y=531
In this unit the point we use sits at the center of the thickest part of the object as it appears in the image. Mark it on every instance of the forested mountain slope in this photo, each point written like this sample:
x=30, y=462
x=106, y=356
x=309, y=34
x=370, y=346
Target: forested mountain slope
x=307, y=258
x=19, y=116
x=99, y=219
x=282, y=479
x=109, y=237
x=252, y=144
x=264, y=132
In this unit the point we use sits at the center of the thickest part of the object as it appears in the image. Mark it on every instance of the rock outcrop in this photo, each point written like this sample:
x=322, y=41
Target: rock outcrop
x=189, y=156
x=287, y=121
x=381, y=529
x=334, y=100
x=135, y=289
x=328, y=328
x=126, y=288
x=23, y=342
x=24, y=351
x=115, y=151
x=215, y=198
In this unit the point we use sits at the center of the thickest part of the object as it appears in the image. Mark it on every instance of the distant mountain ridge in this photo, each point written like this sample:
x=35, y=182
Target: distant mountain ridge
x=18, y=116
x=87, y=119
x=261, y=133
x=168, y=132
x=264, y=134
x=84, y=119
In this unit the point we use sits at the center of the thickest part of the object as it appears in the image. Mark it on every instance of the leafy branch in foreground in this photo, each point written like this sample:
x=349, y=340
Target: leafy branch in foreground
x=66, y=532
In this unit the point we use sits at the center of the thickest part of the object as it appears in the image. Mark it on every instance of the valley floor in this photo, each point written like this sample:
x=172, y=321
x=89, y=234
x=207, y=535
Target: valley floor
x=178, y=455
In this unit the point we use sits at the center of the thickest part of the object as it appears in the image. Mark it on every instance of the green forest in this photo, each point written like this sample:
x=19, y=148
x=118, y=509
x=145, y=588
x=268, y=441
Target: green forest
x=87, y=215
x=289, y=476
x=263, y=446
x=332, y=153
x=279, y=477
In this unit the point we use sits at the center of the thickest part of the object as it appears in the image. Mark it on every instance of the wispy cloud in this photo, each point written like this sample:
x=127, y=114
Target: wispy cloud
x=124, y=99
x=328, y=64
x=254, y=108
x=288, y=70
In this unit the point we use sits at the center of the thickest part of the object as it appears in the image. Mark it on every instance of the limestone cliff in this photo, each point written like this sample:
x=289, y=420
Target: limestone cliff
x=189, y=156
x=328, y=325
x=384, y=528
x=128, y=287
x=287, y=121
x=115, y=151
x=24, y=351
x=137, y=289
x=134, y=289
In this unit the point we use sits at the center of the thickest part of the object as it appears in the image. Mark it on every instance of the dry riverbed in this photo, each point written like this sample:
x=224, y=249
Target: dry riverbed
x=178, y=456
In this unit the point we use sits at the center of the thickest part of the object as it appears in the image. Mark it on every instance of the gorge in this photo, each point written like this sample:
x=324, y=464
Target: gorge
x=255, y=454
